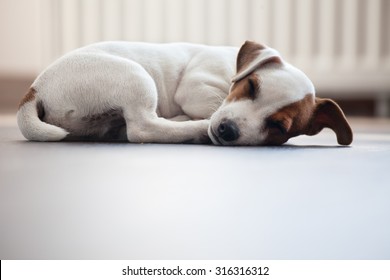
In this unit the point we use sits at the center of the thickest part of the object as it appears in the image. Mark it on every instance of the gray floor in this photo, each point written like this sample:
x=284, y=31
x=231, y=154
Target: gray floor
x=306, y=200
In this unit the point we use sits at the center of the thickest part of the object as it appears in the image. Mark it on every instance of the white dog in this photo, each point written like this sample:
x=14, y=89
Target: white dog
x=176, y=93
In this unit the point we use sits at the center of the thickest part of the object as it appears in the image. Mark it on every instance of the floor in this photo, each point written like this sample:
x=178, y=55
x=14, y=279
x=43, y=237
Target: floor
x=310, y=199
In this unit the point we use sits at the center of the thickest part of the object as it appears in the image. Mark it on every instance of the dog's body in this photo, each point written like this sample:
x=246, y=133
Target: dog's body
x=175, y=93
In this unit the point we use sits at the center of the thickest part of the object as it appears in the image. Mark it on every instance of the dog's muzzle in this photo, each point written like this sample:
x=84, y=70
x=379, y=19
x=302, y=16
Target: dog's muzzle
x=226, y=132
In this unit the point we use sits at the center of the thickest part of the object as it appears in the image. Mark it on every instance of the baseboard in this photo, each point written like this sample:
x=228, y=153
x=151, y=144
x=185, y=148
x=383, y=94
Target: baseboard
x=12, y=89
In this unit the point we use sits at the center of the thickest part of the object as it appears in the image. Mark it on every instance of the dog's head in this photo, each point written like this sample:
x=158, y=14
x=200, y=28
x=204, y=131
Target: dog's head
x=271, y=101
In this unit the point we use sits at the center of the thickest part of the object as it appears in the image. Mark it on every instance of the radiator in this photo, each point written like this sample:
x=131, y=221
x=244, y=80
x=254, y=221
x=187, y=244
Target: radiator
x=343, y=45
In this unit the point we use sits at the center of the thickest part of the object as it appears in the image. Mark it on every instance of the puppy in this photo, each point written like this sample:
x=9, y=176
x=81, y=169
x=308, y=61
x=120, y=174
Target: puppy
x=176, y=93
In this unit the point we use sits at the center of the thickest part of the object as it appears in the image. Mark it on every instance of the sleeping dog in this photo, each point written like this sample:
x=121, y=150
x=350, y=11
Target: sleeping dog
x=176, y=93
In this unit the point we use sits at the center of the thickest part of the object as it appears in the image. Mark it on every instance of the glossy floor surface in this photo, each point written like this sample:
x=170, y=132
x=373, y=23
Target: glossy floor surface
x=310, y=199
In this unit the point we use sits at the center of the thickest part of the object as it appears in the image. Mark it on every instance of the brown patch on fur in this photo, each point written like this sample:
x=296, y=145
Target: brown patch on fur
x=289, y=121
x=248, y=52
x=307, y=116
x=247, y=87
x=30, y=96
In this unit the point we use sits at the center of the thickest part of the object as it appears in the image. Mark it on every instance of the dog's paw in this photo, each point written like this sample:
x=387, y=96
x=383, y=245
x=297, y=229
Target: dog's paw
x=200, y=136
x=203, y=136
x=203, y=139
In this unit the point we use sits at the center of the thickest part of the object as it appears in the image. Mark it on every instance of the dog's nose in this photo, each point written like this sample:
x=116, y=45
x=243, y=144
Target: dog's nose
x=228, y=131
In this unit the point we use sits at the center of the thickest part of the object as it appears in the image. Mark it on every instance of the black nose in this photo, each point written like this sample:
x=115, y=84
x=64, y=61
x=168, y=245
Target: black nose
x=228, y=130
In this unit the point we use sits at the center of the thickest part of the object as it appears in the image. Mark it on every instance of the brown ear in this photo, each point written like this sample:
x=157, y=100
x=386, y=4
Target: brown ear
x=252, y=56
x=328, y=114
x=247, y=53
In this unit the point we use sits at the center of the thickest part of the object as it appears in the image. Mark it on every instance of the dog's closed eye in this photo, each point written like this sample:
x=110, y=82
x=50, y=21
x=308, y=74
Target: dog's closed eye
x=253, y=84
x=276, y=126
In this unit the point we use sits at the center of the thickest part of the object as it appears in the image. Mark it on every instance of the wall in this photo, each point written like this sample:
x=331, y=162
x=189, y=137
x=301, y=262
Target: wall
x=20, y=37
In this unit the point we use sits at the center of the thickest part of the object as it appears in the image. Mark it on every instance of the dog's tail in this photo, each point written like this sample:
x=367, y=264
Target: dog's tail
x=30, y=124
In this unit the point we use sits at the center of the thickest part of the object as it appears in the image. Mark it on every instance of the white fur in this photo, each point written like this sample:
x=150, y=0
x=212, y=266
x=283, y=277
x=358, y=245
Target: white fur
x=33, y=128
x=166, y=92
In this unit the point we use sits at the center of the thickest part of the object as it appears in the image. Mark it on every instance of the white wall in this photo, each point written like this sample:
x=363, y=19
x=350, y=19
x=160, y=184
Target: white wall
x=20, y=37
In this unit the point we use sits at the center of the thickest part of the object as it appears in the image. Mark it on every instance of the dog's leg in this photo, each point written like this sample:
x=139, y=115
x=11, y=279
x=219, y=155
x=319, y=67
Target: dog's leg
x=144, y=126
x=138, y=101
x=160, y=130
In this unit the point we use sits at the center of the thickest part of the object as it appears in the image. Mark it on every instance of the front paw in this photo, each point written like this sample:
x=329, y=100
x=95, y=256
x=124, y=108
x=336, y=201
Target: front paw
x=203, y=139
x=202, y=136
